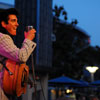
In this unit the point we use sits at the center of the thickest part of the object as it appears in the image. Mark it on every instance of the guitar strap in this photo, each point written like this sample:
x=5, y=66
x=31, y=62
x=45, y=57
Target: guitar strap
x=3, y=62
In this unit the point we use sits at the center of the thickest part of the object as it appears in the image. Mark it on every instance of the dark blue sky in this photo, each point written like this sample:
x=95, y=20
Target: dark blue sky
x=87, y=12
x=7, y=1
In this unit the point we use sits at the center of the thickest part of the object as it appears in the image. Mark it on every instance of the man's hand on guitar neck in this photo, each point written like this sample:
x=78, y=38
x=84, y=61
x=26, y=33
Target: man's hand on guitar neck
x=30, y=34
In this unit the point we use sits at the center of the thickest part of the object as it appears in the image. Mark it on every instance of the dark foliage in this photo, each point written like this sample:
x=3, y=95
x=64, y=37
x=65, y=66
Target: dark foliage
x=72, y=50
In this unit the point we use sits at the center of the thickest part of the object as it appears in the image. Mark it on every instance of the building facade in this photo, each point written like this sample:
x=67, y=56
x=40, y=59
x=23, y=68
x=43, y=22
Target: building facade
x=39, y=14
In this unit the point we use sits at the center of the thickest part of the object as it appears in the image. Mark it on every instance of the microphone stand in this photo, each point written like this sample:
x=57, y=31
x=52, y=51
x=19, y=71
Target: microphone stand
x=33, y=72
x=29, y=27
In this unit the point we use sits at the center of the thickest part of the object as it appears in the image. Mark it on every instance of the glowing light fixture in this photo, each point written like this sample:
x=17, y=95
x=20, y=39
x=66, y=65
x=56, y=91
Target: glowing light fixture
x=92, y=70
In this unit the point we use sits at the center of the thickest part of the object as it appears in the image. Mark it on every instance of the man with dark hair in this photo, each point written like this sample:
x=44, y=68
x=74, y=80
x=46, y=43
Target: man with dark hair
x=8, y=50
x=4, y=13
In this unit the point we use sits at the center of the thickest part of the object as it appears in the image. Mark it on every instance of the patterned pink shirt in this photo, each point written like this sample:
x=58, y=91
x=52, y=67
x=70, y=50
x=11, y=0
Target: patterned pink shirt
x=9, y=50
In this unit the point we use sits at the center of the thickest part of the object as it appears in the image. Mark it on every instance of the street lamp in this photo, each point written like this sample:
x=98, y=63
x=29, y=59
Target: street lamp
x=92, y=70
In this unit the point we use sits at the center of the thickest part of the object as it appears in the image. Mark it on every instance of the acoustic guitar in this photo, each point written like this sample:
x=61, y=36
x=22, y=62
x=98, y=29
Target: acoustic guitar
x=15, y=78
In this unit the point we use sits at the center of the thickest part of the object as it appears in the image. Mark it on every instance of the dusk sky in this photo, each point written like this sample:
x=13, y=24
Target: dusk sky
x=87, y=12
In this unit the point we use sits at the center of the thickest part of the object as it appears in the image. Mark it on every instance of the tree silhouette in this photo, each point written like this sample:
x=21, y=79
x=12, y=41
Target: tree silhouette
x=58, y=11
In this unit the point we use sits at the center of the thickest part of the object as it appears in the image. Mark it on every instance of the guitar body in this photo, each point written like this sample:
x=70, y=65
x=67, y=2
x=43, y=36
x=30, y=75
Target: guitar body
x=15, y=83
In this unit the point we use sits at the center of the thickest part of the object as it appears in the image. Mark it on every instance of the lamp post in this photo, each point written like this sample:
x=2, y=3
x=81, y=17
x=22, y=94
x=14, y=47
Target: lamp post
x=92, y=70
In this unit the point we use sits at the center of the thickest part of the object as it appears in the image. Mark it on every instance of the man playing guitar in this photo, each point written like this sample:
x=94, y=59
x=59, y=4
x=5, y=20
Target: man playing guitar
x=8, y=27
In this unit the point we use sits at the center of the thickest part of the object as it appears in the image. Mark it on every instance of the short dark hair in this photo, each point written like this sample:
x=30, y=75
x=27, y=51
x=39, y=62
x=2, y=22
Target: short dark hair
x=4, y=16
x=4, y=13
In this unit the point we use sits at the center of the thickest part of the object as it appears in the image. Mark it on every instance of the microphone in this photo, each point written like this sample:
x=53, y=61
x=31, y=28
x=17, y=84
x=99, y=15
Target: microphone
x=28, y=28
